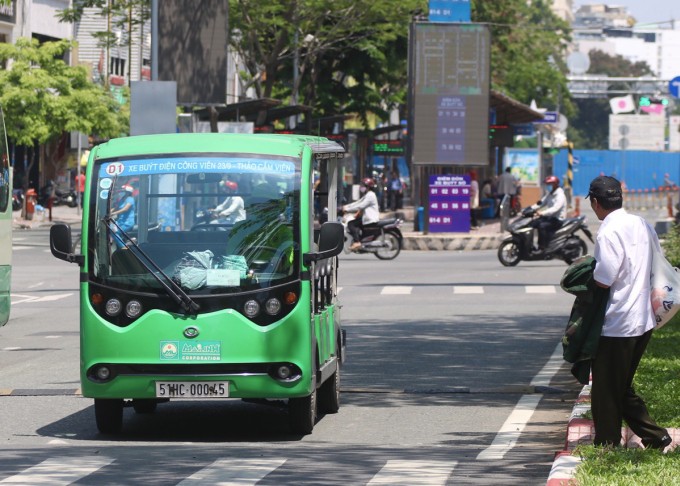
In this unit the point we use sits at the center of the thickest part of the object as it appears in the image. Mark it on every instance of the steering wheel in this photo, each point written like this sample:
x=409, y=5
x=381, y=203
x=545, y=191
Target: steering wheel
x=211, y=227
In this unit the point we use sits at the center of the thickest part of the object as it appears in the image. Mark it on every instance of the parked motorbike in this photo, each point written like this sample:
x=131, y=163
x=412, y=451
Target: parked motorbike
x=17, y=199
x=564, y=243
x=59, y=196
x=383, y=240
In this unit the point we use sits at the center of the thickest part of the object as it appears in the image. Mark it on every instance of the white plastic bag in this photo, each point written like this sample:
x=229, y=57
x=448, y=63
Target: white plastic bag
x=665, y=286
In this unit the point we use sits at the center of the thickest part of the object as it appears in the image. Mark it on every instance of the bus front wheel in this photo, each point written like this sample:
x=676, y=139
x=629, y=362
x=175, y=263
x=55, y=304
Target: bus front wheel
x=109, y=415
x=329, y=393
x=302, y=412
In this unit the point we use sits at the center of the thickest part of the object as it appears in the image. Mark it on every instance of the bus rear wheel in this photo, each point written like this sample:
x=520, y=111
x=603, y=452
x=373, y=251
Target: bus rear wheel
x=302, y=412
x=108, y=413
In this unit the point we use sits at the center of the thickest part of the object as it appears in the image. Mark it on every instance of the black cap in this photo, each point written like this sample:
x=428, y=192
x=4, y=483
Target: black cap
x=604, y=187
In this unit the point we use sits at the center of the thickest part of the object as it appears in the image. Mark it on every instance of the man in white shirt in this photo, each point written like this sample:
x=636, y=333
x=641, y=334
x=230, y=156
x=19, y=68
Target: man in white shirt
x=232, y=208
x=623, y=256
x=370, y=211
x=552, y=210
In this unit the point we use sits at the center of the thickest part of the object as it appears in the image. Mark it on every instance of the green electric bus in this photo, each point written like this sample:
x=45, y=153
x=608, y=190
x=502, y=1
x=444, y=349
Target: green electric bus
x=5, y=225
x=183, y=298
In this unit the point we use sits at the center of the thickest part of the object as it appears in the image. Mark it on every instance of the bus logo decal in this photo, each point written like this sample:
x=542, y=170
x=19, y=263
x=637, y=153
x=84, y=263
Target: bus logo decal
x=190, y=350
x=169, y=350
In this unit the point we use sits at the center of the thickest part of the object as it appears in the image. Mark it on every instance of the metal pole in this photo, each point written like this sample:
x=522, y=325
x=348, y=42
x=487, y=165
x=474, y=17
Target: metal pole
x=154, y=40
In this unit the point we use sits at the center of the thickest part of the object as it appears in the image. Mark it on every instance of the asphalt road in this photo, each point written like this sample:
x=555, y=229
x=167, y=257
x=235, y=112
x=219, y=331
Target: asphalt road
x=453, y=377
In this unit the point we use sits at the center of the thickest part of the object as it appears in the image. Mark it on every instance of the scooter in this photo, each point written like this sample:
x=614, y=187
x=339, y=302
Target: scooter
x=17, y=199
x=384, y=239
x=564, y=243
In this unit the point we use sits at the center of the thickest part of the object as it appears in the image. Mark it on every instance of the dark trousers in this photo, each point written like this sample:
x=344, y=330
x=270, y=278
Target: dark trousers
x=612, y=396
x=546, y=226
x=356, y=228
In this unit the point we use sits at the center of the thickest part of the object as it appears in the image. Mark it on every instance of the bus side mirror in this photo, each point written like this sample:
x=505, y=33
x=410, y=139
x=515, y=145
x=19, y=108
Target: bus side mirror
x=61, y=245
x=331, y=242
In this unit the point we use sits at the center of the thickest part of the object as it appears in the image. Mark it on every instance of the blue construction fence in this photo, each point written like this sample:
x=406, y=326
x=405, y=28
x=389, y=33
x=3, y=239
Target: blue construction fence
x=644, y=170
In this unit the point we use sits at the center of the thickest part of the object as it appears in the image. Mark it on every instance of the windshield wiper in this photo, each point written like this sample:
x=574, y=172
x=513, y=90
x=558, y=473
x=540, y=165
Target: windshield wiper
x=173, y=290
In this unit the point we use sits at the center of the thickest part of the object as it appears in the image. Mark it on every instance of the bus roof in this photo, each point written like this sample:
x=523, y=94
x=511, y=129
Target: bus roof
x=270, y=144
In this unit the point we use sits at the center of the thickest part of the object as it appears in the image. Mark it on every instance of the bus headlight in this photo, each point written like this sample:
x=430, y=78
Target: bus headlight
x=272, y=306
x=133, y=309
x=251, y=308
x=113, y=307
x=103, y=373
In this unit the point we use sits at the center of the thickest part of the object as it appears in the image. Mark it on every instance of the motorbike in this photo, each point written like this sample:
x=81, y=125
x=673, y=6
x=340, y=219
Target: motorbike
x=17, y=199
x=384, y=239
x=59, y=196
x=564, y=243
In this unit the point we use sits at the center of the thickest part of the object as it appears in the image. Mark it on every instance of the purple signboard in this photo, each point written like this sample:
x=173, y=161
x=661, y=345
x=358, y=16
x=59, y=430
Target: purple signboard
x=449, y=204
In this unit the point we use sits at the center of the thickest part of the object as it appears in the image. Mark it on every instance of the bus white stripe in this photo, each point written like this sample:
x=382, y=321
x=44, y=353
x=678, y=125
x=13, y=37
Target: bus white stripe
x=59, y=471
x=414, y=473
x=233, y=472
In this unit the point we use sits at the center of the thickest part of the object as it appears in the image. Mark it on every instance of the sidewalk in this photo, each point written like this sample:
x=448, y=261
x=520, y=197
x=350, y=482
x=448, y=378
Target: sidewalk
x=60, y=214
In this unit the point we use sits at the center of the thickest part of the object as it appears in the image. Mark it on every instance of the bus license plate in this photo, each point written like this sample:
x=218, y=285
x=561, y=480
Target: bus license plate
x=192, y=389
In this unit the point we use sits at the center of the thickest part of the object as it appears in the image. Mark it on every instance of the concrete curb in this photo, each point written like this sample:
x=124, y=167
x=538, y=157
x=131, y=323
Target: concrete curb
x=450, y=242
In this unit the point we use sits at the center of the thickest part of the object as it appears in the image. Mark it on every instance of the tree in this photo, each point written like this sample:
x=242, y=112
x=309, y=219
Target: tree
x=124, y=15
x=42, y=97
x=528, y=49
x=589, y=128
x=328, y=35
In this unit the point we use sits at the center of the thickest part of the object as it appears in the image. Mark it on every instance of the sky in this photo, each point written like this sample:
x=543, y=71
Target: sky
x=643, y=10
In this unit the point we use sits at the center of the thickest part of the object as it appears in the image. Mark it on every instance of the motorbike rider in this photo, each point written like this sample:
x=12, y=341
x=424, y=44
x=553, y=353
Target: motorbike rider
x=232, y=208
x=368, y=207
x=551, y=210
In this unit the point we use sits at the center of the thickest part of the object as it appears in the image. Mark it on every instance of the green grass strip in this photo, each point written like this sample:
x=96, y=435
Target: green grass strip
x=657, y=381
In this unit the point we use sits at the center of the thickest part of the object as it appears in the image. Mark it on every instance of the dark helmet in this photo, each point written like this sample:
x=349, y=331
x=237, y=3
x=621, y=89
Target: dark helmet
x=368, y=182
x=552, y=180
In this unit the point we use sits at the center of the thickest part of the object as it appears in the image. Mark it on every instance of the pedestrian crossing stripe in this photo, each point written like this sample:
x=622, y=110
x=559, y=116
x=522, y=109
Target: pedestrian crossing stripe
x=540, y=289
x=62, y=471
x=468, y=289
x=59, y=471
x=396, y=290
x=233, y=472
x=414, y=473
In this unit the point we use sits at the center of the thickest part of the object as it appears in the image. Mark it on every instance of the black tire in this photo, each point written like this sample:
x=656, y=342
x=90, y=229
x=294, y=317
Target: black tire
x=302, y=412
x=508, y=253
x=393, y=246
x=329, y=393
x=575, y=249
x=146, y=405
x=109, y=415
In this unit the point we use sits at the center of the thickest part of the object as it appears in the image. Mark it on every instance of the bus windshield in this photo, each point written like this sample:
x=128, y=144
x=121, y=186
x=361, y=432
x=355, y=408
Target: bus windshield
x=210, y=224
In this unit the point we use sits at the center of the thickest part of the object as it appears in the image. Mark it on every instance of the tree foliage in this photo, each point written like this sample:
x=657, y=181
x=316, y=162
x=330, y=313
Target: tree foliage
x=42, y=96
x=351, y=53
x=126, y=16
x=528, y=50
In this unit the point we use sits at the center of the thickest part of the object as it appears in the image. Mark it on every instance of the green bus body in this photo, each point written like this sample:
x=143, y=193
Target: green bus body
x=5, y=225
x=286, y=354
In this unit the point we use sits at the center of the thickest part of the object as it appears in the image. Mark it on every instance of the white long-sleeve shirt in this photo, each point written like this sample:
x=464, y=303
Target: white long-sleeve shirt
x=233, y=205
x=554, y=204
x=370, y=212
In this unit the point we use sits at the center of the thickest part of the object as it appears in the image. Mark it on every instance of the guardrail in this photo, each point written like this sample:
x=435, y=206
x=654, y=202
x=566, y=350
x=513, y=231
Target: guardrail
x=655, y=198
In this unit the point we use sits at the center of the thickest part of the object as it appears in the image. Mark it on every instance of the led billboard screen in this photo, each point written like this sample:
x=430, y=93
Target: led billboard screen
x=449, y=93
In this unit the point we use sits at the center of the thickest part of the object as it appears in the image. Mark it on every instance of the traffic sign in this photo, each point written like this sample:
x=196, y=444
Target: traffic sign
x=549, y=118
x=674, y=87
